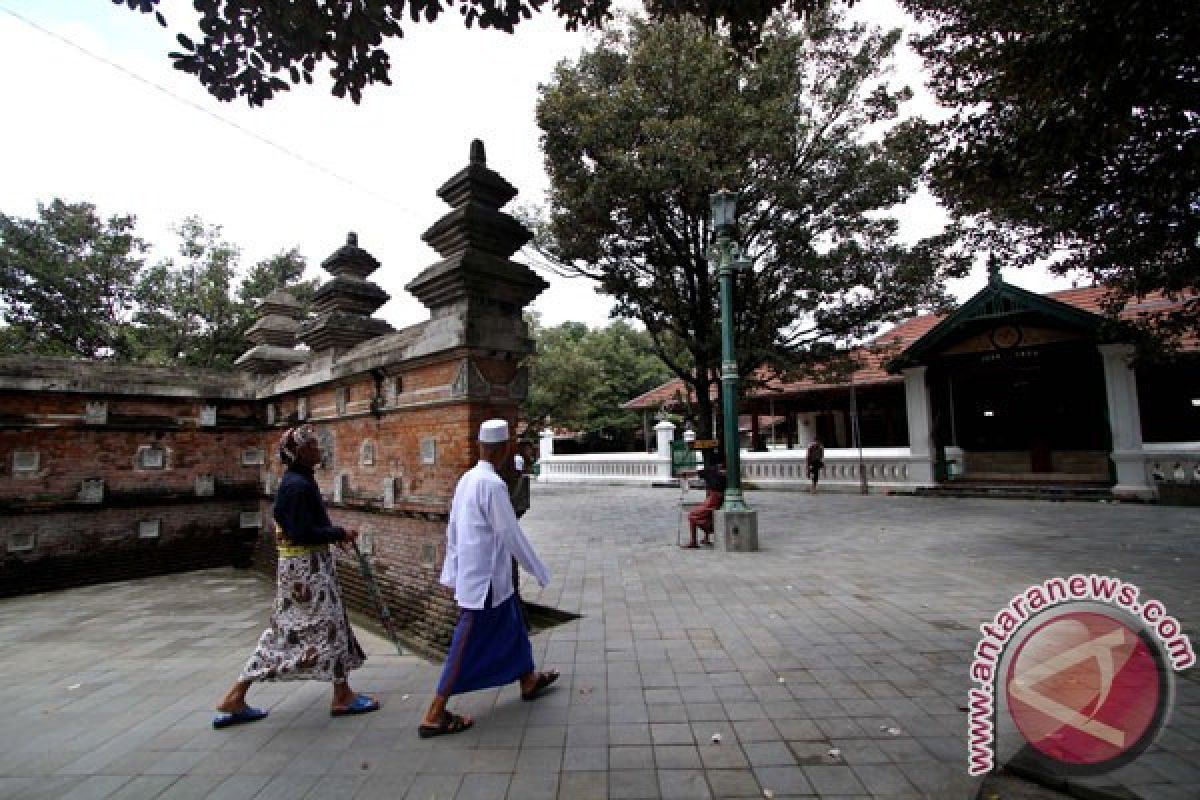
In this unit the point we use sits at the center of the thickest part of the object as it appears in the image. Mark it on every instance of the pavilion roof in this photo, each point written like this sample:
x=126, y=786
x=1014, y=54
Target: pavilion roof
x=873, y=357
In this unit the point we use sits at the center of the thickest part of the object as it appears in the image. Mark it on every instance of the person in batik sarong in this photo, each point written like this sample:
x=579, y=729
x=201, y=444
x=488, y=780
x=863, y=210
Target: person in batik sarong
x=490, y=646
x=310, y=637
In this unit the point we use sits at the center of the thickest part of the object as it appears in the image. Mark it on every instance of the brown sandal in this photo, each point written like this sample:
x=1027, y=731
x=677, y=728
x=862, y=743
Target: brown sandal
x=544, y=680
x=449, y=723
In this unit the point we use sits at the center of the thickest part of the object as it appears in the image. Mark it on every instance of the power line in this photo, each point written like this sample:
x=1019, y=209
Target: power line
x=243, y=130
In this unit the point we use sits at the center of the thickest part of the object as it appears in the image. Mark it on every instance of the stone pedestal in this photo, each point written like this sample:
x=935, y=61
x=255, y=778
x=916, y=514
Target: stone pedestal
x=736, y=531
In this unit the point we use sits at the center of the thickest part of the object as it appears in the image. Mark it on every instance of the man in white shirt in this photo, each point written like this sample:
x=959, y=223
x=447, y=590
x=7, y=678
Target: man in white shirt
x=490, y=646
x=519, y=463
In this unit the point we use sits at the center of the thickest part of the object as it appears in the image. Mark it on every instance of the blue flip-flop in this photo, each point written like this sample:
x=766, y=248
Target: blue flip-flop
x=247, y=714
x=363, y=704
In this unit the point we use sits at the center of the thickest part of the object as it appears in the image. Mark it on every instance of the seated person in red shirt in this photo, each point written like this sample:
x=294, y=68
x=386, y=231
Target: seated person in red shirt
x=702, y=517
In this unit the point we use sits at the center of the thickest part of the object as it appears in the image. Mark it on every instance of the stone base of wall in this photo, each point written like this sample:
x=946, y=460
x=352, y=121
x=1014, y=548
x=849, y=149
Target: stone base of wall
x=80, y=548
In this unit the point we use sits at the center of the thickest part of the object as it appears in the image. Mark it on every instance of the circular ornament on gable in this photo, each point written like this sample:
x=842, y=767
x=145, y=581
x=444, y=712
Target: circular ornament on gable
x=1005, y=337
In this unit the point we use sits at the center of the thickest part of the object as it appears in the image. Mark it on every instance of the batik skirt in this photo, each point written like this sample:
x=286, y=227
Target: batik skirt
x=490, y=647
x=310, y=637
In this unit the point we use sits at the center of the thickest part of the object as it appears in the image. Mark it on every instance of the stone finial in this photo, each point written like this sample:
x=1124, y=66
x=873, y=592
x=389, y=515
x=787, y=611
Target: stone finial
x=344, y=305
x=476, y=241
x=993, y=268
x=274, y=335
x=282, y=303
x=350, y=259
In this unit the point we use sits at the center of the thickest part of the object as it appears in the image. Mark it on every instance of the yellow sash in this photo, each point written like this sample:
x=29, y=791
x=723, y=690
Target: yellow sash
x=288, y=550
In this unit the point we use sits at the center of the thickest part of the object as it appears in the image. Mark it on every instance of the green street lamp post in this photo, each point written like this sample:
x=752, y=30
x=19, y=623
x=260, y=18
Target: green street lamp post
x=736, y=523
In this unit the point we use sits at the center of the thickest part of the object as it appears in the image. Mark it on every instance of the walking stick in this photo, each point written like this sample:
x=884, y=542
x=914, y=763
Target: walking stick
x=385, y=616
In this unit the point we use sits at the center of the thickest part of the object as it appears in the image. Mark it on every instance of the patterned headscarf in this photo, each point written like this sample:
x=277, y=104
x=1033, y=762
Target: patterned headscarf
x=293, y=439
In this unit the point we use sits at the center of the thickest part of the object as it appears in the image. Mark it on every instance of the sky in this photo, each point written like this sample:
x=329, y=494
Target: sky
x=117, y=126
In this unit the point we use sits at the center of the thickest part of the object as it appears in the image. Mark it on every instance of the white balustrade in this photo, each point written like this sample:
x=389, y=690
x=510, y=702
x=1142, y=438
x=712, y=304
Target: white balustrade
x=885, y=468
x=626, y=468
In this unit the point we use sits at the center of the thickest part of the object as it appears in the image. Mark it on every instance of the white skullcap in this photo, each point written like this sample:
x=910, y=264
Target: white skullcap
x=494, y=430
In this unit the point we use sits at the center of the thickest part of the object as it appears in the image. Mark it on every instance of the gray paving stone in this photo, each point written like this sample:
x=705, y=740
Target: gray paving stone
x=434, y=787
x=733, y=783
x=96, y=787
x=875, y=631
x=633, y=784
x=492, y=786
x=671, y=733
x=682, y=784
x=583, y=786
x=585, y=759
x=533, y=786
x=539, y=759
x=768, y=754
x=623, y=758
x=783, y=781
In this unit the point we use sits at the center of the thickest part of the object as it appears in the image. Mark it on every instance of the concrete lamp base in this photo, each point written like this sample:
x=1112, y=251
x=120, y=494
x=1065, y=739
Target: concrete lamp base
x=737, y=531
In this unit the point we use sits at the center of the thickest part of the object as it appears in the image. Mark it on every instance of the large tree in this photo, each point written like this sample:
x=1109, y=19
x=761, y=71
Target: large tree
x=256, y=50
x=1077, y=132
x=66, y=281
x=581, y=376
x=187, y=312
x=641, y=130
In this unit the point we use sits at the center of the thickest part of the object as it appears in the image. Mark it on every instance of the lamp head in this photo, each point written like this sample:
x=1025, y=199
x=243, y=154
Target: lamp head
x=724, y=211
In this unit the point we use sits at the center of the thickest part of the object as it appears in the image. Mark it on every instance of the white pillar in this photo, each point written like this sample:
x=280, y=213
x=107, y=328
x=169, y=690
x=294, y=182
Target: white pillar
x=920, y=424
x=806, y=429
x=546, y=444
x=664, y=432
x=1124, y=421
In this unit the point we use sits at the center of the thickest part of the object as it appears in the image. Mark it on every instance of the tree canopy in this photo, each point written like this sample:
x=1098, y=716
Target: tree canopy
x=642, y=129
x=66, y=281
x=256, y=50
x=1077, y=132
x=74, y=284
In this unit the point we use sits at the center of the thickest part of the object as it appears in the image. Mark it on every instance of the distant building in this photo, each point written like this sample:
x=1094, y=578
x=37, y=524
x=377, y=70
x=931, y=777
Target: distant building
x=1014, y=387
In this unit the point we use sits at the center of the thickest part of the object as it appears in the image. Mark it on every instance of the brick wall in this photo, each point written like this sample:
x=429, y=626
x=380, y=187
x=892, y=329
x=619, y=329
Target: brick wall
x=96, y=485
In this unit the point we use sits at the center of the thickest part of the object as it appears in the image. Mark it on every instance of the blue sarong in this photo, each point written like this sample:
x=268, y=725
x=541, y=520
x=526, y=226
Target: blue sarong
x=490, y=648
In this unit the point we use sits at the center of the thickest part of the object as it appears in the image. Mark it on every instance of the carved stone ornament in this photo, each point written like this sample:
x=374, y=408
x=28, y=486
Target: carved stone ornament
x=470, y=382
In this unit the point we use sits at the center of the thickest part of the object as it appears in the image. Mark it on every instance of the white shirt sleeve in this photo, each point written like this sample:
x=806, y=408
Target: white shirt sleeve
x=504, y=523
x=449, y=576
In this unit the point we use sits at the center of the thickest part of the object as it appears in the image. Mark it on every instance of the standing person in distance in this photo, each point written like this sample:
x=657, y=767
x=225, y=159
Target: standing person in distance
x=490, y=646
x=310, y=637
x=816, y=461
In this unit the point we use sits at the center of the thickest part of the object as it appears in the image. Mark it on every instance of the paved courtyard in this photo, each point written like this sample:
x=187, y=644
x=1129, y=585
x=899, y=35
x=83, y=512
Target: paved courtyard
x=831, y=664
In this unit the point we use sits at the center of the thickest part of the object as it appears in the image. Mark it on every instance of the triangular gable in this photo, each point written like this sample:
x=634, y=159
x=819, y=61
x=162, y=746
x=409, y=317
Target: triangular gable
x=997, y=301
